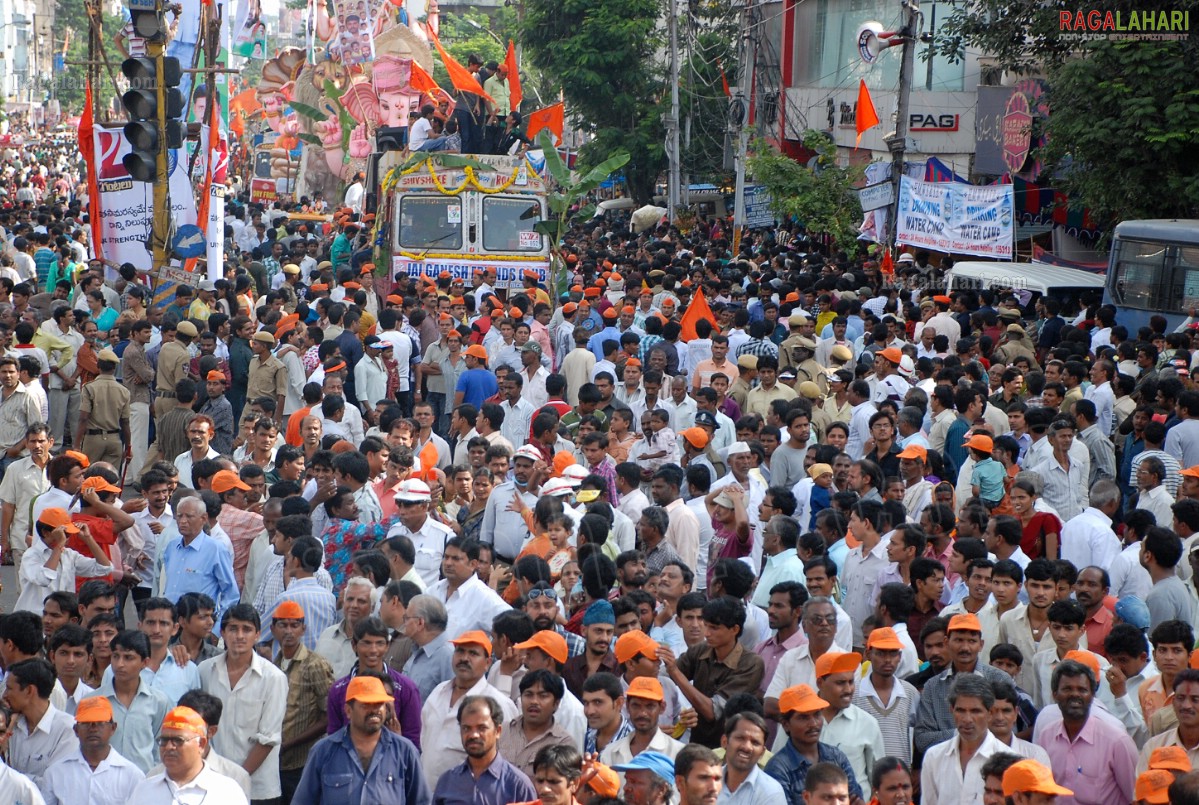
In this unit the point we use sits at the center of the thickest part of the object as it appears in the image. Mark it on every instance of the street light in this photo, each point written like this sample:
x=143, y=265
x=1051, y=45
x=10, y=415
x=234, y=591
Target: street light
x=503, y=45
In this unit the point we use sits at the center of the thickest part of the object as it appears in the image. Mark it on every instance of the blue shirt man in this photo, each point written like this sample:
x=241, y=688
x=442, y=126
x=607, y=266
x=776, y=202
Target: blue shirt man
x=194, y=562
x=609, y=333
x=476, y=384
x=484, y=778
x=334, y=775
x=803, y=719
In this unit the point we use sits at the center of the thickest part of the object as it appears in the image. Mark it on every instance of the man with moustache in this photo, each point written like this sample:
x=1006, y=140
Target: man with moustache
x=362, y=757
x=484, y=778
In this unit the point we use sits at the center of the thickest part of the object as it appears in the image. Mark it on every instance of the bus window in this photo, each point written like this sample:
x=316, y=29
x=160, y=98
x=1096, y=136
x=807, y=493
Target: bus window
x=1156, y=276
x=428, y=222
x=508, y=225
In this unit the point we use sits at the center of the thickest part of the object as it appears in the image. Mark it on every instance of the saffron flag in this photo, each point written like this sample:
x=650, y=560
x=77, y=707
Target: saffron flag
x=552, y=118
x=421, y=81
x=428, y=461
x=698, y=309
x=515, y=96
x=866, y=116
x=462, y=79
x=87, y=147
x=724, y=80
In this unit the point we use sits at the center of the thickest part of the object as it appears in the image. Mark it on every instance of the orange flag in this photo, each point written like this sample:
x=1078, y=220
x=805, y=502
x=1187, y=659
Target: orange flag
x=87, y=147
x=551, y=117
x=724, y=80
x=515, y=96
x=422, y=81
x=428, y=461
x=698, y=309
x=462, y=79
x=866, y=116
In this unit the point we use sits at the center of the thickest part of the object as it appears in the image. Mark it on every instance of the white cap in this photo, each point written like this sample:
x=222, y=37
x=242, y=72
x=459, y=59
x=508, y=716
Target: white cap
x=413, y=491
x=574, y=474
x=529, y=452
x=906, y=367
x=737, y=448
x=907, y=257
x=557, y=486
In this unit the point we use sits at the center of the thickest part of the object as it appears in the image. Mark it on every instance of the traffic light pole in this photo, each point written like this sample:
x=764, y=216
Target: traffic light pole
x=161, y=223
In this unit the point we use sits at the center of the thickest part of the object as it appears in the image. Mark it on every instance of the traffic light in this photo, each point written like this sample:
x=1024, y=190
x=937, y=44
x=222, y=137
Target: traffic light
x=141, y=103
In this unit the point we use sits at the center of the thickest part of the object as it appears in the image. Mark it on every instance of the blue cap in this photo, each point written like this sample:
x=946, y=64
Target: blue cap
x=1133, y=610
x=599, y=612
x=656, y=762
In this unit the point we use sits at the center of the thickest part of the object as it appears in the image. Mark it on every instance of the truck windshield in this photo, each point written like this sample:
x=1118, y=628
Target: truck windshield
x=430, y=222
x=508, y=225
x=1156, y=276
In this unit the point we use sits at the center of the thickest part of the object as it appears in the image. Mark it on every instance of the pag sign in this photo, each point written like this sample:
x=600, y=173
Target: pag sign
x=126, y=207
x=509, y=274
x=956, y=218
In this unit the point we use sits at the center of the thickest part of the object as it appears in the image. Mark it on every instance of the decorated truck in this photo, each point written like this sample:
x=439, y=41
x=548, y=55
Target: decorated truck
x=459, y=213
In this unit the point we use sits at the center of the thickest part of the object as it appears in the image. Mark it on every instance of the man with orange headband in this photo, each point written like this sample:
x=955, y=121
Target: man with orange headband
x=182, y=742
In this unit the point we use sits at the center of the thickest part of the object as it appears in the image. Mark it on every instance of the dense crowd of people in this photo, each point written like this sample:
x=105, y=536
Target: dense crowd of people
x=314, y=534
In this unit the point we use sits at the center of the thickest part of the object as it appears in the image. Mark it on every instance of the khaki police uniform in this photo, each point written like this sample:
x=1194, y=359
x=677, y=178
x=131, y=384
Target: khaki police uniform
x=106, y=402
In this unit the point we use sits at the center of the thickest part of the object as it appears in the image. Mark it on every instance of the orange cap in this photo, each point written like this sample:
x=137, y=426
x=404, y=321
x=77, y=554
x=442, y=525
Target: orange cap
x=697, y=437
x=800, y=699
x=551, y=643
x=530, y=274
x=576, y=289
x=288, y=611
x=643, y=687
x=630, y=644
x=342, y=446
x=1191, y=472
x=646, y=292
x=368, y=690
x=883, y=638
x=1031, y=777
x=352, y=286
x=1086, y=658
x=477, y=351
x=515, y=313
x=457, y=300
x=616, y=277
x=569, y=307
x=610, y=313
x=93, y=710
x=1153, y=786
x=225, y=480
x=943, y=299
x=628, y=309
x=58, y=518
x=1170, y=758
x=474, y=638
x=830, y=663
x=445, y=275
x=80, y=457
x=633, y=362
x=562, y=460
x=791, y=297
x=100, y=485
x=915, y=452
x=981, y=442
x=319, y=286
x=367, y=268
x=395, y=299
x=606, y=782
x=591, y=293
x=964, y=623
x=215, y=375
x=893, y=355
x=185, y=719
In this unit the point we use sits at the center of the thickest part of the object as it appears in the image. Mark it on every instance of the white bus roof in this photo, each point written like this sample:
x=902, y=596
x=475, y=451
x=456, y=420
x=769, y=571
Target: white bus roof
x=1170, y=229
x=1038, y=277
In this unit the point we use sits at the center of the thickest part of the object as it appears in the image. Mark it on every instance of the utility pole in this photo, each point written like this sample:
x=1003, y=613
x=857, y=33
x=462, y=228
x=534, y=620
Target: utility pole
x=672, y=122
x=897, y=143
x=160, y=228
x=739, y=114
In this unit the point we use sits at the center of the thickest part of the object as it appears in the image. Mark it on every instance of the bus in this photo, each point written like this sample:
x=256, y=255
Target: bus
x=1153, y=270
x=458, y=220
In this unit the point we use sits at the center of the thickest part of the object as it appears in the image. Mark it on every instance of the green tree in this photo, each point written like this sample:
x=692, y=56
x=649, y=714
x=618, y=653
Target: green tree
x=710, y=35
x=605, y=54
x=69, y=86
x=1123, y=128
x=822, y=197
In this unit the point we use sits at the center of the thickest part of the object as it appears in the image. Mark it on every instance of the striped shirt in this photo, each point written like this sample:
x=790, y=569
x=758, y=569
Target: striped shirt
x=895, y=719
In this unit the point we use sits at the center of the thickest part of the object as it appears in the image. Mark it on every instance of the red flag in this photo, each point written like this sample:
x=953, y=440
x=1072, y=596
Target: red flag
x=698, y=309
x=866, y=116
x=213, y=122
x=551, y=117
x=515, y=96
x=724, y=80
x=87, y=147
x=422, y=81
x=462, y=79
